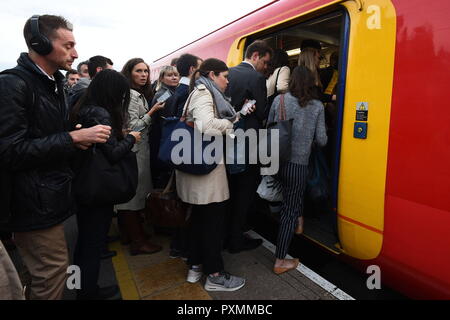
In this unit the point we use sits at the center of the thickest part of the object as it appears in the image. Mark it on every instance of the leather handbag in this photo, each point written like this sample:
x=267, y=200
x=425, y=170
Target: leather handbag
x=100, y=182
x=164, y=208
x=284, y=128
x=190, y=166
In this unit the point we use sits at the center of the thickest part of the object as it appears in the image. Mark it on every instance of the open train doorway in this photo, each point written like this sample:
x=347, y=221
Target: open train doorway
x=331, y=30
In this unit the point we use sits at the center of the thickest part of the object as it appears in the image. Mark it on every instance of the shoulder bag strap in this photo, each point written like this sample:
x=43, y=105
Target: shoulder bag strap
x=276, y=81
x=281, y=109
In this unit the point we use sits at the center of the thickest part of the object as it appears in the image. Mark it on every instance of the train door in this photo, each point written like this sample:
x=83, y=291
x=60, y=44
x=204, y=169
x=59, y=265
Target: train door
x=364, y=35
x=331, y=31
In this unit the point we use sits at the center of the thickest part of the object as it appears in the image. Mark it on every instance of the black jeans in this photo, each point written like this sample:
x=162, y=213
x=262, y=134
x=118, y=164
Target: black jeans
x=92, y=224
x=205, y=236
x=243, y=188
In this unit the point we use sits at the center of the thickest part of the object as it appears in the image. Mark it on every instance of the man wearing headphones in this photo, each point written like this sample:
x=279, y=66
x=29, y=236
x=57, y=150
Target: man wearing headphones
x=35, y=147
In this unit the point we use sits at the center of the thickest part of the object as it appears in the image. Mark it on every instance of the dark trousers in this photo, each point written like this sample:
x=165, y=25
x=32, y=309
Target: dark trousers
x=293, y=180
x=92, y=224
x=242, y=194
x=180, y=240
x=205, y=236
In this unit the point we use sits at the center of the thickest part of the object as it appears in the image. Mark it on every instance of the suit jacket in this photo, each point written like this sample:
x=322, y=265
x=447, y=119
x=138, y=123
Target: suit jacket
x=247, y=83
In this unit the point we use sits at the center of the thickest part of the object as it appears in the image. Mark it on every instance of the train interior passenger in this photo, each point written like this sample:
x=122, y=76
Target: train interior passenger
x=330, y=29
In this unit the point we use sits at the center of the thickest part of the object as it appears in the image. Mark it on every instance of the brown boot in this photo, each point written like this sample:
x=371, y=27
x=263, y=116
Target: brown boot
x=133, y=226
x=124, y=236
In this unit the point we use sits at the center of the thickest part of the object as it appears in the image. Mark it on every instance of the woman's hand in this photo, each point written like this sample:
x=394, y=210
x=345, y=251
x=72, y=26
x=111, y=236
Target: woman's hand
x=238, y=117
x=157, y=106
x=136, y=135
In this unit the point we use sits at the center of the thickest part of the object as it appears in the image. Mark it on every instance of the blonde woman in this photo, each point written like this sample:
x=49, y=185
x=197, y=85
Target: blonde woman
x=168, y=81
x=310, y=58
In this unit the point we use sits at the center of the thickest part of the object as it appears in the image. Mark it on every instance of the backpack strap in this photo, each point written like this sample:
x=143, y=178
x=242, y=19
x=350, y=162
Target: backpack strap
x=31, y=98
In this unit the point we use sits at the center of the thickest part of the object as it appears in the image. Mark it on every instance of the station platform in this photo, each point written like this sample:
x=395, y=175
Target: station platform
x=159, y=277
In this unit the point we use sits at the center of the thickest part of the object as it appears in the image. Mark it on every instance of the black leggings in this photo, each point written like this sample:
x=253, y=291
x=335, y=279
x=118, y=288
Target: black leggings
x=205, y=236
x=92, y=224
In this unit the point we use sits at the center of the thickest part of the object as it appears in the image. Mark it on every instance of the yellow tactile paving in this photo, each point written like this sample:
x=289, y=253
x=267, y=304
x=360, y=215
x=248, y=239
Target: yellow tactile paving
x=155, y=276
x=124, y=275
x=186, y=291
x=160, y=277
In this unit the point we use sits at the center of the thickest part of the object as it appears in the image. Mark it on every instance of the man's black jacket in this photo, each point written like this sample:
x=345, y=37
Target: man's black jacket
x=35, y=148
x=247, y=83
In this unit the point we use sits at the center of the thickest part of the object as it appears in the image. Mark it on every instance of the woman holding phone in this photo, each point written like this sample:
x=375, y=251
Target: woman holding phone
x=168, y=81
x=139, y=119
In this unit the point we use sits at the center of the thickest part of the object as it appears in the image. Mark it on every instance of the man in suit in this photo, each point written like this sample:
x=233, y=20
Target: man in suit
x=246, y=82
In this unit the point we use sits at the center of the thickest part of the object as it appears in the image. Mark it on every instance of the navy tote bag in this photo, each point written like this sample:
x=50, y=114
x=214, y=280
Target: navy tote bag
x=168, y=144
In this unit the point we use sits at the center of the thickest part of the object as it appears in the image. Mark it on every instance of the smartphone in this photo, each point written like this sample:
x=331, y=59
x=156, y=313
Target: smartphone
x=139, y=129
x=166, y=95
x=247, y=106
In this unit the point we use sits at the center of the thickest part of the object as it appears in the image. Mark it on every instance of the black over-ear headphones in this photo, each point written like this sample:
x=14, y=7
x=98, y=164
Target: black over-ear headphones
x=39, y=43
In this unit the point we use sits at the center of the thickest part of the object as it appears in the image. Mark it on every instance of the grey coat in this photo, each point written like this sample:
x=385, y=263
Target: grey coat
x=138, y=118
x=308, y=127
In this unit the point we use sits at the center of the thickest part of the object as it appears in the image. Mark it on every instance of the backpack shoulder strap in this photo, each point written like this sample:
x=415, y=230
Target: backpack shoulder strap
x=25, y=76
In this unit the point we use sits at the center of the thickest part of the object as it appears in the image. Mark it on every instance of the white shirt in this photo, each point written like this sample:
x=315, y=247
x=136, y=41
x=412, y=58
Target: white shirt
x=42, y=70
x=50, y=77
x=185, y=81
x=249, y=64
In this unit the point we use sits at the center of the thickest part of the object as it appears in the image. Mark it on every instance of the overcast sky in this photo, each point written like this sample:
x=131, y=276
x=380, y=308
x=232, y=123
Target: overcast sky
x=123, y=29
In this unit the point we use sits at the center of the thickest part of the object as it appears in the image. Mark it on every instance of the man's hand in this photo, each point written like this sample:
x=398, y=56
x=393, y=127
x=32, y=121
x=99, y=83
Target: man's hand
x=84, y=138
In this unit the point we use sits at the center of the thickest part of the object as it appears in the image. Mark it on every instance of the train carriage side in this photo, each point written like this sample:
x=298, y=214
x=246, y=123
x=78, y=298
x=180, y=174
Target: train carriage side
x=416, y=250
x=391, y=210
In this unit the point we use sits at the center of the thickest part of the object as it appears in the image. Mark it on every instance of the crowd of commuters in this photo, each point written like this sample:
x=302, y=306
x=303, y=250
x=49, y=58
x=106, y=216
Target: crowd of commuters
x=46, y=140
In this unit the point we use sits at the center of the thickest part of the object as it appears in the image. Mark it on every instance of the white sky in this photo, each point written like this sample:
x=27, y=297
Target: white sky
x=121, y=29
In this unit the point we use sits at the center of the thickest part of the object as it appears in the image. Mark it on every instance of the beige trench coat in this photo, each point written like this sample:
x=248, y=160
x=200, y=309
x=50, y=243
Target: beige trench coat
x=10, y=285
x=137, y=111
x=212, y=187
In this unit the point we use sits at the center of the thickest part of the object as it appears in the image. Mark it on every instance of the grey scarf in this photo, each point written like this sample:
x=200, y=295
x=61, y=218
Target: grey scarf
x=223, y=105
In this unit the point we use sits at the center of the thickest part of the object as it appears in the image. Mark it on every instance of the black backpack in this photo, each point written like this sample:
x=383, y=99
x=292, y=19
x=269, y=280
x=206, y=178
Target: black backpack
x=5, y=174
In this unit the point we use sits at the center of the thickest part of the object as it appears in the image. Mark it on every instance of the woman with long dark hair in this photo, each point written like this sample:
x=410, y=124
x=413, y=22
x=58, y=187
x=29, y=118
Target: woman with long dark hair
x=301, y=104
x=140, y=119
x=105, y=102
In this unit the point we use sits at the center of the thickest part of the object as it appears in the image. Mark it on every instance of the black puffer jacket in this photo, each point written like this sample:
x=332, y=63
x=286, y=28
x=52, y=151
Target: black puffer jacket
x=35, y=147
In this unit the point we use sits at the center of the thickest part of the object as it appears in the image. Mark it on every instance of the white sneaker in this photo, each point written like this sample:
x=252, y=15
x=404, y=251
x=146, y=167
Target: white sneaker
x=194, y=274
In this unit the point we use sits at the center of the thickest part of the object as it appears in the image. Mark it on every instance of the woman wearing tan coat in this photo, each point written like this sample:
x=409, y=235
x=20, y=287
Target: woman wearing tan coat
x=208, y=109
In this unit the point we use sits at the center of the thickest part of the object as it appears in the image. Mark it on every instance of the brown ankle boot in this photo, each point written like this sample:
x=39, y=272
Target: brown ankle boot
x=145, y=247
x=124, y=236
x=139, y=244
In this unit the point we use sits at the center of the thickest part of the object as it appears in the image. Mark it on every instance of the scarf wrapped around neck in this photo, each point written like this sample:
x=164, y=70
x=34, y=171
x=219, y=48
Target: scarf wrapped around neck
x=223, y=103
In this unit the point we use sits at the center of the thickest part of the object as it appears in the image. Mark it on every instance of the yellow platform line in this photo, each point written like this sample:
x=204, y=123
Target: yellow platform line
x=124, y=275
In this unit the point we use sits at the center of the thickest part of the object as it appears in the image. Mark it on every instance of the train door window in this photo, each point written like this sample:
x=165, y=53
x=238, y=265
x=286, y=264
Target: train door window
x=331, y=31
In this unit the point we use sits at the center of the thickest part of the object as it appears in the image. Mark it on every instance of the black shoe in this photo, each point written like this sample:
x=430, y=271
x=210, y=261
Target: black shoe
x=247, y=244
x=109, y=293
x=105, y=293
x=108, y=254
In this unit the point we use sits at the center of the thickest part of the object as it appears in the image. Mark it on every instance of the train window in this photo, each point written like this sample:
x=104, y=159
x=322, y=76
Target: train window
x=331, y=30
